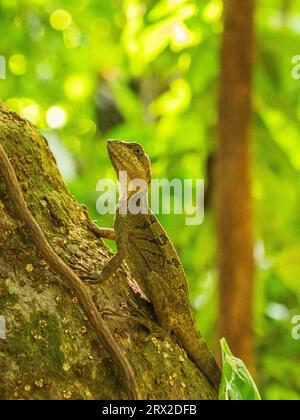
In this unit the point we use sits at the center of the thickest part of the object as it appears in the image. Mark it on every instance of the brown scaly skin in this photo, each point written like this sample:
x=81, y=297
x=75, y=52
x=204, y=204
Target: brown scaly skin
x=154, y=262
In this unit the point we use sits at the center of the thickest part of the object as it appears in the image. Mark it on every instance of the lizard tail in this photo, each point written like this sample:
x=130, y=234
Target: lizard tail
x=198, y=351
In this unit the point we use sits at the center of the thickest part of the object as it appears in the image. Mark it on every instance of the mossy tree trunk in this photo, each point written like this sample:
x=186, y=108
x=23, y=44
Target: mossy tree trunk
x=50, y=350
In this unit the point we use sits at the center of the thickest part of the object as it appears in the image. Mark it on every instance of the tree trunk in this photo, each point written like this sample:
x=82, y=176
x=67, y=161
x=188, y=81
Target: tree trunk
x=233, y=198
x=51, y=351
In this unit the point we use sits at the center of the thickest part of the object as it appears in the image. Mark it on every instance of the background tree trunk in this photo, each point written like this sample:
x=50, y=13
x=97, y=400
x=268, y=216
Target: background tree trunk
x=233, y=200
x=51, y=351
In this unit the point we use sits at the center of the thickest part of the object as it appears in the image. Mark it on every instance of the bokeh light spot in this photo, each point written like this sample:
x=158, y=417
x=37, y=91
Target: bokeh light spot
x=18, y=64
x=61, y=19
x=56, y=117
x=31, y=113
x=77, y=87
x=213, y=11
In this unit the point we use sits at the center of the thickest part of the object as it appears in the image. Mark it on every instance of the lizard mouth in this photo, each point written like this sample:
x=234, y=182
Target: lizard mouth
x=115, y=155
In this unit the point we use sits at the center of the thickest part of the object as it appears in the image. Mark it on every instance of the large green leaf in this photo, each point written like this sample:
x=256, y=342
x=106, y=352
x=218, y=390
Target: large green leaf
x=237, y=383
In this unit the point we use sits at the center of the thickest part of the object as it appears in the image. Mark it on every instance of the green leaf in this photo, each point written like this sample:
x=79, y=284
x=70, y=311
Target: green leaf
x=237, y=383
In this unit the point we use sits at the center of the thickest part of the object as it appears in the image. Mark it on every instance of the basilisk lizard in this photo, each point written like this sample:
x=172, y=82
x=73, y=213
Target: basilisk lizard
x=153, y=260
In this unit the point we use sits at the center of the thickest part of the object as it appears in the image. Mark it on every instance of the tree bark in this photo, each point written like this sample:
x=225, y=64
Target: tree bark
x=50, y=350
x=233, y=198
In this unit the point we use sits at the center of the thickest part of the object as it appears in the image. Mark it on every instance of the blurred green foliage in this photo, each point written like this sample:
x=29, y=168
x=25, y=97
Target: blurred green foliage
x=87, y=70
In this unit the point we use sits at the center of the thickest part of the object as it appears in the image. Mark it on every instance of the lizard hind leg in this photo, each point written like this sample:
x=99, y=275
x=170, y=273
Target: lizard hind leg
x=85, y=271
x=133, y=313
x=82, y=269
x=155, y=291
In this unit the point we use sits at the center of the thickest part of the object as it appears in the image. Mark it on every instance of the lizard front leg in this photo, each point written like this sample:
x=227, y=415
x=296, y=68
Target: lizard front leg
x=106, y=233
x=96, y=277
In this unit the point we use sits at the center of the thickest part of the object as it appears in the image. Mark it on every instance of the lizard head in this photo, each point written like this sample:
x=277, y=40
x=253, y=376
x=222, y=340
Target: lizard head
x=130, y=158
